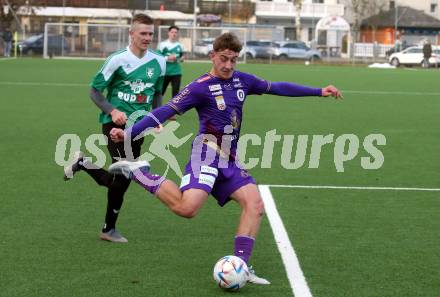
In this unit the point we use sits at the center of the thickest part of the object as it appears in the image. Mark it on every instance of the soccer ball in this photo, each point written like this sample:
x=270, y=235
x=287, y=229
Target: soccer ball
x=231, y=273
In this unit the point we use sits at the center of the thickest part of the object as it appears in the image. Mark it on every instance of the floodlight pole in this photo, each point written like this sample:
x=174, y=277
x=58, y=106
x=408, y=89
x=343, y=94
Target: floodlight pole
x=230, y=12
x=395, y=28
x=194, y=27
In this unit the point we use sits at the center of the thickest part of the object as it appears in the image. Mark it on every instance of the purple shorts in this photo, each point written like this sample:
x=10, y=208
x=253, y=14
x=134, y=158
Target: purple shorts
x=219, y=182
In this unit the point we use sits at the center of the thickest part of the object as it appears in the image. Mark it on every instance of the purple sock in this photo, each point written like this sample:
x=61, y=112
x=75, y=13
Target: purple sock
x=150, y=182
x=243, y=247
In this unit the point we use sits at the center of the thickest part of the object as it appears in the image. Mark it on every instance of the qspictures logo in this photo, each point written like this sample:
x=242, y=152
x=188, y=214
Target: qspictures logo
x=294, y=152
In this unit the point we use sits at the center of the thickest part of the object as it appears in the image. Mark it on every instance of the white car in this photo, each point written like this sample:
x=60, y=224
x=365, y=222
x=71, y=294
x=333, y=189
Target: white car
x=414, y=56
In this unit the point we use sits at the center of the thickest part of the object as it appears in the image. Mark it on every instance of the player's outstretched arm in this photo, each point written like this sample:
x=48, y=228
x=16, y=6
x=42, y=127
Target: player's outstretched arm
x=294, y=90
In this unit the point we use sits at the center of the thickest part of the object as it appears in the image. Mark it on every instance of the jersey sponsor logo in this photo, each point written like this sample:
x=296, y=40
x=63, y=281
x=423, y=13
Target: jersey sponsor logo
x=216, y=87
x=182, y=95
x=150, y=72
x=217, y=93
x=207, y=180
x=208, y=169
x=221, y=104
x=240, y=94
x=139, y=98
x=137, y=86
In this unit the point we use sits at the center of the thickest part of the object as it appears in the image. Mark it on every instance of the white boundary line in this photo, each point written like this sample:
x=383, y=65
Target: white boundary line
x=24, y=83
x=355, y=188
x=293, y=269
x=294, y=272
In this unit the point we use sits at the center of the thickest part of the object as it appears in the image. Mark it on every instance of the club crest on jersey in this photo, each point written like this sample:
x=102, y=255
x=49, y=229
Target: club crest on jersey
x=240, y=94
x=150, y=72
x=221, y=104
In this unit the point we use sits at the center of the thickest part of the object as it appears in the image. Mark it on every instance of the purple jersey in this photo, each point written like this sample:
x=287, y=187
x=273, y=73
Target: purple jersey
x=219, y=104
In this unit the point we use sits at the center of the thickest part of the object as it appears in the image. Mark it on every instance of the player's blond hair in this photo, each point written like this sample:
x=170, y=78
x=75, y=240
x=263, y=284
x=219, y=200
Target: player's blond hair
x=141, y=18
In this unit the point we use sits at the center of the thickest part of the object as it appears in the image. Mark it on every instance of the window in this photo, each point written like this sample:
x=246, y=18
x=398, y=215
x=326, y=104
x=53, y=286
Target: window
x=433, y=8
x=310, y=34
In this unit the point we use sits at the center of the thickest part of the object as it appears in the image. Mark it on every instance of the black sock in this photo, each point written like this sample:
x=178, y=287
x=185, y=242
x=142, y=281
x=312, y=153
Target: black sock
x=115, y=198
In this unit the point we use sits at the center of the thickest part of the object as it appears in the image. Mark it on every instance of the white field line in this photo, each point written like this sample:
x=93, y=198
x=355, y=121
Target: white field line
x=355, y=188
x=294, y=273
x=405, y=93
x=54, y=84
x=7, y=59
x=28, y=83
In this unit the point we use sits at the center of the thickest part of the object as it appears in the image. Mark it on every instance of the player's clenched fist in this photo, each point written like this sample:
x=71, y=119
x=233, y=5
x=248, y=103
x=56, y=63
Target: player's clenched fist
x=117, y=135
x=331, y=91
x=118, y=117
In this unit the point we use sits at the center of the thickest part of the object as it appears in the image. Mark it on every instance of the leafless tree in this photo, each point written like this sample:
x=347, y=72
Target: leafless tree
x=8, y=12
x=298, y=5
x=361, y=9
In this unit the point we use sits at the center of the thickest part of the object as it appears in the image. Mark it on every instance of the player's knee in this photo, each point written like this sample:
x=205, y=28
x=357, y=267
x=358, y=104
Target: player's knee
x=187, y=213
x=259, y=208
x=256, y=206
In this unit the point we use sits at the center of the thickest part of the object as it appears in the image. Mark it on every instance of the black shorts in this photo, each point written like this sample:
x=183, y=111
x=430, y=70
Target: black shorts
x=117, y=149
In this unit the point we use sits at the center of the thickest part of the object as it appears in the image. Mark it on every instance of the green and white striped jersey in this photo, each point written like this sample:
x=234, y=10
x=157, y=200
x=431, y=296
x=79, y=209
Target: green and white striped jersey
x=167, y=48
x=131, y=82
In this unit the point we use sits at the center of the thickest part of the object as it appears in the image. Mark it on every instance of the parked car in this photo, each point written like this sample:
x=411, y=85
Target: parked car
x=297, y=50
x=400, y=48
x=203, y=47
x=35, y=45
x=261, y=49
x=414, y=56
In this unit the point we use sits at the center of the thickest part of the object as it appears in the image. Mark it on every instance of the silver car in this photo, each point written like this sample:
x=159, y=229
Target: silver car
x=261, y=49
x=297, y=50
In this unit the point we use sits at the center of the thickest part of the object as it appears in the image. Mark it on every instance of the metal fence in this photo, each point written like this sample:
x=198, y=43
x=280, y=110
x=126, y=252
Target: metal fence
x=83, y=41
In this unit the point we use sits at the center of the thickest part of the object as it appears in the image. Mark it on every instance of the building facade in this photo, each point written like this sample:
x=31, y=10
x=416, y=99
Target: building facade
x=283, y=13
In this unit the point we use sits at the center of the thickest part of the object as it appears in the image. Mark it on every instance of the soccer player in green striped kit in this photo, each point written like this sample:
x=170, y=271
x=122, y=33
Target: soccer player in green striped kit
x=133, y=78
x=174, y=53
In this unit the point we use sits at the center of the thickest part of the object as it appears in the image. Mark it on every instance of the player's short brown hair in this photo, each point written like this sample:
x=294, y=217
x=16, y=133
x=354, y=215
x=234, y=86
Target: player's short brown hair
x=141, y=19
x=227, y=41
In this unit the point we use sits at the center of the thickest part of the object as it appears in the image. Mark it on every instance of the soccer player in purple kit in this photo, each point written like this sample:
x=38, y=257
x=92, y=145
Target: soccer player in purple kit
x=218, y=97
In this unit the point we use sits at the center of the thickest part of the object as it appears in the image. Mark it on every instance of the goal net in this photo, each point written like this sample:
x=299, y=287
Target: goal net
x=100, y=40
